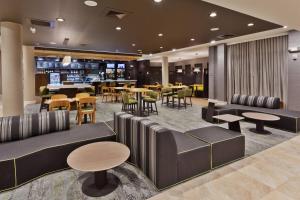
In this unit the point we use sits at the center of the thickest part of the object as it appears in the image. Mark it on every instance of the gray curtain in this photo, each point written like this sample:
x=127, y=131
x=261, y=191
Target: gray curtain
x=258, y=68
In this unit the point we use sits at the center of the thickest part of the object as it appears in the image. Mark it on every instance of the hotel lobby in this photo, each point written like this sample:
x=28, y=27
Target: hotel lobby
x=149, y=99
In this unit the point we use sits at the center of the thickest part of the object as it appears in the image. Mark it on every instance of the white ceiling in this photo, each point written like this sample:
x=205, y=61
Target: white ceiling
x=283, y=12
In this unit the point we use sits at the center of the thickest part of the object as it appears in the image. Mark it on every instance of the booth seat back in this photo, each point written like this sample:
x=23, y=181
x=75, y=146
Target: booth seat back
x=256, y=101
x=22, y=127
x=153, y=148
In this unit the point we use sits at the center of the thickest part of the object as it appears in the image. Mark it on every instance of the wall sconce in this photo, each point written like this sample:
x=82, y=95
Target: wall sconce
x=179, y=70
x=197, y=70
x=294, y=51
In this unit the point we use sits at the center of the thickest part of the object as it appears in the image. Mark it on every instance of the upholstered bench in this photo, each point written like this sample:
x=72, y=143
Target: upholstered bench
x=165, y=156
x=226, y=145
x=289, y=120
x=42, y=145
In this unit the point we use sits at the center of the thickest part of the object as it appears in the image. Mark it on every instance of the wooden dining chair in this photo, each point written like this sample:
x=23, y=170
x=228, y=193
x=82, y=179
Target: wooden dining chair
x=106, y=92
x=58, y=96
x=82, y=95
x=86, y=106
x=59, y=105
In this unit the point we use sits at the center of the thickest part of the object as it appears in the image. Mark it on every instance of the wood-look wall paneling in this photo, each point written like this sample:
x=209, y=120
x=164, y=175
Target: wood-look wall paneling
x=294, y=73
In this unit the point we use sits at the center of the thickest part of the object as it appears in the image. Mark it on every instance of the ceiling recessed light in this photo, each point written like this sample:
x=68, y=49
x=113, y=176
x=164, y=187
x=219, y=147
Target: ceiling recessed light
x=161, y=47
x=150, y=54
x=53, y=43
x=192, y=39
x=285, y=27
x=215, y=29
x=157, y=1
x=139, y=50
x=90, y=3
x=33, y=30
x=160, y=34
x=251, y=24
x=173, y=49
x=133, y=45
x=213, y=41
x=59, y=19
x=118, y=28
x=213, y=14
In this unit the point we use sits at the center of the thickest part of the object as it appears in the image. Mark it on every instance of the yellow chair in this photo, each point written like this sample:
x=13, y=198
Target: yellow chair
x=82, y=95
x=59, y=105
x=86, y=106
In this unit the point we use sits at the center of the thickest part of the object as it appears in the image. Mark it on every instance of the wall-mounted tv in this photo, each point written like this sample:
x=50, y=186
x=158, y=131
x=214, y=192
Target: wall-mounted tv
x=110, y=65
x=121, y=66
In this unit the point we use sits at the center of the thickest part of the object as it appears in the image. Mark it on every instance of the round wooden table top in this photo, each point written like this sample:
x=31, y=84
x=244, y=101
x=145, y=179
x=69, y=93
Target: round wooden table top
x=137, y=90
x=260, y=116
x=98, y=156
x=178, y=87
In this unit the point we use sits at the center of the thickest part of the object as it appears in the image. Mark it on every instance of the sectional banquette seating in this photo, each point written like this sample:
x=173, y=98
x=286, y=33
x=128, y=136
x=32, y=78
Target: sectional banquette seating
x=168, y=157
x=36, y=144
x=289, y=120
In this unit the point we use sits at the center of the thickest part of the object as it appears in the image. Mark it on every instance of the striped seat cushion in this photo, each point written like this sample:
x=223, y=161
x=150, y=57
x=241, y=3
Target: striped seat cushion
x=261, y=101
x=273, y=103
x=251, y=101
x=243, y=100
x=22, y=127
x=235, y=99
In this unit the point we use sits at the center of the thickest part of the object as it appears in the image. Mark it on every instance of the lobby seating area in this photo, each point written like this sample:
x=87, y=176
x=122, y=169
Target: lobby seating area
x=149, y=100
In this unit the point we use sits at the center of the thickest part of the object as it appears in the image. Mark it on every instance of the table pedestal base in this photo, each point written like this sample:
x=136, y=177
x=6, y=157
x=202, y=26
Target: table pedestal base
x=98, y=184
x=260, y=128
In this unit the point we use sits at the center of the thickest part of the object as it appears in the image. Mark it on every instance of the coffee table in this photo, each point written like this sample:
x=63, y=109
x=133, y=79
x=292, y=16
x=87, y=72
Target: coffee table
x=233, y=121
x=98, y=158
x=260, y=119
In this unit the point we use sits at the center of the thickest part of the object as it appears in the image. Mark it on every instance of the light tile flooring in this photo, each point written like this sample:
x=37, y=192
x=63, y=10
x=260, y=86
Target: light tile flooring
x=269, y=175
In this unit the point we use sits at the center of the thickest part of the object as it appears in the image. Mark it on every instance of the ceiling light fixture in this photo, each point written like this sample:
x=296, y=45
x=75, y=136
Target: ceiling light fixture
x=173, y=49
x=157, y=1
x=285, y=27
x=150, y=54
x=161, y=47
x=118, y=28
x=213, y=41
x=139, y=50
x=215, y=29
x=33, y=30
x=251, y=24
x=133, y=45
x=53, y=43
x=213, y=14
x=90, y=3
x=160, y=34
x=59, y=19
x=192, y=39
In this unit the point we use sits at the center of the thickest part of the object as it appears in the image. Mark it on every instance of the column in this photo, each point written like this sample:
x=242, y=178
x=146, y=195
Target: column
x=165, y=71
x=218, y=72
x=12, y=72
x=29, y=74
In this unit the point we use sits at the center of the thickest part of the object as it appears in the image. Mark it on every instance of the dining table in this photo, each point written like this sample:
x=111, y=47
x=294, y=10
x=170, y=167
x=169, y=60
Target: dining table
x=139, y=92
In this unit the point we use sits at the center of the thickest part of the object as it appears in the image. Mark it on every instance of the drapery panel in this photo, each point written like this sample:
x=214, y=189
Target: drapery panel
x=258, y=68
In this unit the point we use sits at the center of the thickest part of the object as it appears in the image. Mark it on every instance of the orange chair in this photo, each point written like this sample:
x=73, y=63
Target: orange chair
x=86, y=106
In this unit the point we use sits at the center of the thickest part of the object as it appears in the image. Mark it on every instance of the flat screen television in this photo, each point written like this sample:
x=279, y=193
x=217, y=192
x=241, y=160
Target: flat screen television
x=121, y=66
x=110, y=65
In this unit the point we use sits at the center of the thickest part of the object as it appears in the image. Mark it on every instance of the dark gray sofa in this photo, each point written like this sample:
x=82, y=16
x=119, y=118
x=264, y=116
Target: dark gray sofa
x=168, y=157
x=289, y=120
x=24, y=160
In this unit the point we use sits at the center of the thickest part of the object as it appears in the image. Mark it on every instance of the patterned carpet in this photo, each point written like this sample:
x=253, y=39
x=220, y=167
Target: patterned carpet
x=134, y=185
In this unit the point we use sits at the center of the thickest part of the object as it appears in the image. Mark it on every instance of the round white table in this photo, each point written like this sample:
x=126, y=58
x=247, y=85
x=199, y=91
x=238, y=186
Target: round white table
x=98, y=158
x=260, y=119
